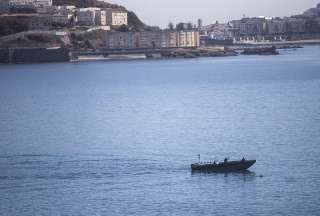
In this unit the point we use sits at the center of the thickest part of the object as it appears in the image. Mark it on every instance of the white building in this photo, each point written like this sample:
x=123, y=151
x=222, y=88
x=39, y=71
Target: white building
x=91, y=16
x=116, y=17
x=43, y=3
x=188, y=38
x=29, y=3
x=21, y=3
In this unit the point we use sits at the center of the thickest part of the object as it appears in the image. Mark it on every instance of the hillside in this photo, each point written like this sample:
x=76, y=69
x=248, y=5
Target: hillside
x=21, y=22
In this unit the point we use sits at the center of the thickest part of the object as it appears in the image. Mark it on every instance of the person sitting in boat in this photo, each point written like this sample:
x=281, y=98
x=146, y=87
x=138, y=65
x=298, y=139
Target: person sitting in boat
x=226, y=160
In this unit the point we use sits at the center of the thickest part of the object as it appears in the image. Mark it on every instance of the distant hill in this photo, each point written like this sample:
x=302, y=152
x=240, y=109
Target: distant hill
x=313, y=12
x=134, y=22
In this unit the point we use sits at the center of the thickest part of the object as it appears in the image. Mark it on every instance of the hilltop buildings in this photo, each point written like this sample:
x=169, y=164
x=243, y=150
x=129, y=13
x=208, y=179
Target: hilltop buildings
x=21, y=3
x=29, y=3
x=103, y=17
x=61, y=14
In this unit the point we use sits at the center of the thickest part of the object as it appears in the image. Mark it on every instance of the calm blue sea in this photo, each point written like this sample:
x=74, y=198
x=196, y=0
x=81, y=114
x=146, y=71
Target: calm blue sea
x=118, y=137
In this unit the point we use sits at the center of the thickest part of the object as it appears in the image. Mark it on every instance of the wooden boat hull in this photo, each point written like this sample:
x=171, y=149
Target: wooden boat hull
x=232, y=166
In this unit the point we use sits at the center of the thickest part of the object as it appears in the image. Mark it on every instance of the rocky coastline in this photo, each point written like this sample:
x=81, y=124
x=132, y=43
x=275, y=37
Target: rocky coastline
x=260, y=51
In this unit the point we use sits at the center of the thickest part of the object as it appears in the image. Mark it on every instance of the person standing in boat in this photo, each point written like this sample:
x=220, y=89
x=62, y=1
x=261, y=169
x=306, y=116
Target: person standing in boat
x=226, y=160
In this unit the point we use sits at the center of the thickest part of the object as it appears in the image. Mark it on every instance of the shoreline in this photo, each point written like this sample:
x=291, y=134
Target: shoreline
x=56, y=55
x=161, y=54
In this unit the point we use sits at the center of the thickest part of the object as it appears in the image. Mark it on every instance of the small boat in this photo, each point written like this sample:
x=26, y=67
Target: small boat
x=225, y=166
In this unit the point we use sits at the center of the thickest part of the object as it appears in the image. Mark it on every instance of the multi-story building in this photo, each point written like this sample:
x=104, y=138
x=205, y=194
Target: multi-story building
x=257, y=27
x=252, y=26
x=101, y=18
x=188, y=38
x=169, y=39
x=87, y=16
x=122, y=40
x=295, y=25
x=116, y=17
x=276, y=27
x=151, y=39
x=4, y=6
x=91, y=16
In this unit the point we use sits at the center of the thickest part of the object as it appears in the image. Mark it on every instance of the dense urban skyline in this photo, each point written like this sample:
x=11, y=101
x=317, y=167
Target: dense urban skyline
x=154, y=12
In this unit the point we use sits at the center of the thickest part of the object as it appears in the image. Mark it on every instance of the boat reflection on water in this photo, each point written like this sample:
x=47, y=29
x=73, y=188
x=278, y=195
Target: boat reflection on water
x=245, y=176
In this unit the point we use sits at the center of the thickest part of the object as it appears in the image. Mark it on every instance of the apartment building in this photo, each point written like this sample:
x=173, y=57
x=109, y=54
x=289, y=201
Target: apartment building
x=116, y=17
x=91, y=17
x=87, y=16
x=188, y=38
x=152, y=39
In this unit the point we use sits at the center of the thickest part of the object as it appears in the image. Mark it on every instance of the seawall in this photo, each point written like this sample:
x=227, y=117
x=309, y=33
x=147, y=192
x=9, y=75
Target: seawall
x=34, y=55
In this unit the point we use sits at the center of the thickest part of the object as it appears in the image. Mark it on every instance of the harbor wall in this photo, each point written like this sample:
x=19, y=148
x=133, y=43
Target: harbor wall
x=38, y=55
x=34, y=55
